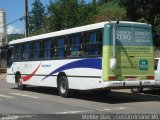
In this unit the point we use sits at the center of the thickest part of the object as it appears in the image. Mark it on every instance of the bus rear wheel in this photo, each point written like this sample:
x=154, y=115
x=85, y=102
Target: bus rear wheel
x=63, y=87
x=19, y=82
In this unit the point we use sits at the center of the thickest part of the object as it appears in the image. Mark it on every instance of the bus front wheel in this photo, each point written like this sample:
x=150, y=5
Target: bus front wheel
x=63, y=87
x=19, y=82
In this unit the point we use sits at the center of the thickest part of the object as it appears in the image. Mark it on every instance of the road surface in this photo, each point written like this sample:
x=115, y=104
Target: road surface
x=42, y=102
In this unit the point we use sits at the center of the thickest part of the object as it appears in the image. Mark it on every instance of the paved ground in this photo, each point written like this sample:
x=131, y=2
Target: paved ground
x=3, y=76
x=34, y=101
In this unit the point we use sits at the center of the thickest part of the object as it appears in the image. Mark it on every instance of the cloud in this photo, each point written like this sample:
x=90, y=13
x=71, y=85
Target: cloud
x=13, y=30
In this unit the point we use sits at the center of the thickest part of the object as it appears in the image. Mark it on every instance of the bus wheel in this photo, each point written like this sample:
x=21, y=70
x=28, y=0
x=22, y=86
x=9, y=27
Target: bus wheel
x=19, y=83
x=63, y=87
x=136, y=90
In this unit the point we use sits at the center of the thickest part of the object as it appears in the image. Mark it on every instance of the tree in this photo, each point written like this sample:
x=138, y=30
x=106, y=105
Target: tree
x=11, y=37
x=65, y=14
x=37, y=16
x=110, y=11
x=147, y=11
x=54, y=16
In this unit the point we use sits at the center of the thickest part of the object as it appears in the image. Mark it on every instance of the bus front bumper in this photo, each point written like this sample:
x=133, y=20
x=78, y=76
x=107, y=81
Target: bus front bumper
x=129, y=84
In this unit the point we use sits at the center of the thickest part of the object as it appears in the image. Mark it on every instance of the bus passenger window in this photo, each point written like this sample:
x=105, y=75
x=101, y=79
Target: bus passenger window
x=48, y=49
x=76, y=46
x=18, y=52
x=68, y=46
x=27, y=51
x=37, y=50
x=99, y=42
x=60, y=47
x=93, y=44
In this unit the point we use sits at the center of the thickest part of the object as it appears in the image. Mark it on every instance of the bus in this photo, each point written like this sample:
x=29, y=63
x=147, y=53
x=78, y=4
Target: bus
x=98, y=57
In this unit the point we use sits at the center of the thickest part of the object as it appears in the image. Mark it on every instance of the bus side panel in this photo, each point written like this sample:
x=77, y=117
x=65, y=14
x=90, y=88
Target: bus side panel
x=81, y=73
x=84, y=78
x=10, y=74
x=11, y=78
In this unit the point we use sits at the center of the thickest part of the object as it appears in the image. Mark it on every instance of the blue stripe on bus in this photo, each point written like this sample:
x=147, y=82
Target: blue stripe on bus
x=95, y=63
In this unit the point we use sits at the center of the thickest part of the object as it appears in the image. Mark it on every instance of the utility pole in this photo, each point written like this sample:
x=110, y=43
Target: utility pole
x=26, y=19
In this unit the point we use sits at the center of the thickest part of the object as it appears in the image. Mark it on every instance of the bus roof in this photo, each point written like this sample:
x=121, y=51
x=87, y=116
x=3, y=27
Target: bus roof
x=68, y=31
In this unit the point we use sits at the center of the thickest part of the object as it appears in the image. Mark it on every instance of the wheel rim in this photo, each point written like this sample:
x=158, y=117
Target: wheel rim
x=63, y=87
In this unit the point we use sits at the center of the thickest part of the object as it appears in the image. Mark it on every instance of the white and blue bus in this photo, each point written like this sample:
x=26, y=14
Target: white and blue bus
x=99, y=56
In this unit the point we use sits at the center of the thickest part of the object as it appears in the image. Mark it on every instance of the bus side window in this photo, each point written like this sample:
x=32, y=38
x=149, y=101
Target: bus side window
x=60, y=44
x=37, y=50
x=90, y=43
x=18, y=52
x=53, y=48
x=68, y=46
x=27, y=51
x=48, y=53
x=93, y=43
x=99, y=42
x=76, y=42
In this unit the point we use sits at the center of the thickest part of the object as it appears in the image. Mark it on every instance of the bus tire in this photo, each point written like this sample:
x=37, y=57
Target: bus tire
x=63, y=87
x=136, y=90
x=19, y=82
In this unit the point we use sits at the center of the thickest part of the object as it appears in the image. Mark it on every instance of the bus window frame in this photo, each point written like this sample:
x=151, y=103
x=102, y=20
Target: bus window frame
x=51, y=49
x=24, y=53
x=71, y=45
x=61, y=47
x=36, y=50
x=66, y=47
x=86, y=45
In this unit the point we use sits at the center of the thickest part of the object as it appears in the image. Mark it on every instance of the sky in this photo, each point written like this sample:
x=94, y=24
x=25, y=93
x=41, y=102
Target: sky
x=15, y=9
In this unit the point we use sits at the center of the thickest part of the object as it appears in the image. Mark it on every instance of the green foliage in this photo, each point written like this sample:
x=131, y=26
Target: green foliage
x=110, y=11
x=132, y=9
x=11, y=37
x=37, y=16
x=65, y=14
x=147, y=11
x=157, y=31
x=157, y=23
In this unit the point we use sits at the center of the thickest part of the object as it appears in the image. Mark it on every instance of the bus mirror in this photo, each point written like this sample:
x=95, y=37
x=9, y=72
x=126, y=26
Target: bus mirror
x=113, y=63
